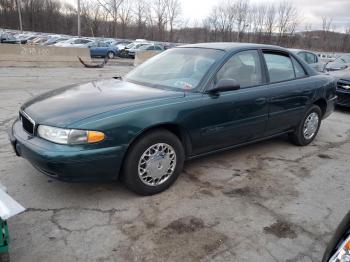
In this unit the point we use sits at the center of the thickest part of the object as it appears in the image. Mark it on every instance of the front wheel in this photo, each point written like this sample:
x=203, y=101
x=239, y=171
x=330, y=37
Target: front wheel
x=308, y=127
x=153, y=162
x=4, y=257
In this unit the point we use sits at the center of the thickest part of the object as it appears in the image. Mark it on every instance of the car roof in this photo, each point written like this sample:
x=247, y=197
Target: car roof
x=231, y=46
x=294, y=50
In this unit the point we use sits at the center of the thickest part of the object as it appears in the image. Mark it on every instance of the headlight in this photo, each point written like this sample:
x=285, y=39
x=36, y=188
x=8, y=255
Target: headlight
x=343, y=253
x=69, y=136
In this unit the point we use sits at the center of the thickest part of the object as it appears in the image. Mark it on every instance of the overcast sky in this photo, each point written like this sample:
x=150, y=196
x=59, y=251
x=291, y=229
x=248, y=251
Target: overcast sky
x=310, y=10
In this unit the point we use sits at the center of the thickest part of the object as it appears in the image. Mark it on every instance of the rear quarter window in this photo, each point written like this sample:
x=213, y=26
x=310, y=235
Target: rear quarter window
x=299, y=70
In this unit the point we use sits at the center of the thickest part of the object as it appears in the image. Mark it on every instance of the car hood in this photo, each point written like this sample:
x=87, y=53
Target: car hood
x=67, y=105
x=336, y=65
x=341, y=74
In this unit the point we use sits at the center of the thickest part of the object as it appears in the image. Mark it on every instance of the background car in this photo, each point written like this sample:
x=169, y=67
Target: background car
x=343, y=86
x=8, y=39
x=129, y=50
x=25, y=38
x=150, y=47
x=39, y=40
x=326, y=57
x=339, y=63
x=312, y=59
x=74, y=42
x=102, y=49
x=338, y=248
x=55, y=39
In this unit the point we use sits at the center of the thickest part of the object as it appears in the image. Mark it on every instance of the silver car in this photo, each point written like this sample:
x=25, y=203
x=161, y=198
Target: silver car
x=310, y=58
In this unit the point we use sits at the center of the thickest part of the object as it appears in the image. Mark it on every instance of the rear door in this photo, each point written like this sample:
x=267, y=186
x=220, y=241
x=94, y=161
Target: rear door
x=290, y=90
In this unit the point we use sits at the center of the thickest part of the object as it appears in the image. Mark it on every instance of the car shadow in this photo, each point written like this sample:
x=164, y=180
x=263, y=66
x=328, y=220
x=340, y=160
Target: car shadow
x=342, y=109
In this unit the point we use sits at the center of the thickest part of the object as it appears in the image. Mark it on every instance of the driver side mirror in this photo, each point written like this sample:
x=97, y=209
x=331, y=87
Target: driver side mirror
x=225, y=85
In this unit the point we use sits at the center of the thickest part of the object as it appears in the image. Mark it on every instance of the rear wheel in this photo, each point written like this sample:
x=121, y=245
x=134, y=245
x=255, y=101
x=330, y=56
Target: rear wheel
x=308, y=127
x=110, y=55
x=153, y=162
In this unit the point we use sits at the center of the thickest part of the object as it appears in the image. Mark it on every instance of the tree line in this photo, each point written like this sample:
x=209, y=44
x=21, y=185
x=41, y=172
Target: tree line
x=162, y=20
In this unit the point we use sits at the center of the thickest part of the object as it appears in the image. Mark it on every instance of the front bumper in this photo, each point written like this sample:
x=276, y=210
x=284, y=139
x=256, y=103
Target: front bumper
x=330, y=107
x=343, y=97
x=4, y=237
x=66, y=162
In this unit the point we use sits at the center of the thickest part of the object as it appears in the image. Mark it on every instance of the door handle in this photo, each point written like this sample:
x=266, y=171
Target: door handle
x=260, y=101
x=307, y=92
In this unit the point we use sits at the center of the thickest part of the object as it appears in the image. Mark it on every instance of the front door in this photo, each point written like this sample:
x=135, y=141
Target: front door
x=234, y=117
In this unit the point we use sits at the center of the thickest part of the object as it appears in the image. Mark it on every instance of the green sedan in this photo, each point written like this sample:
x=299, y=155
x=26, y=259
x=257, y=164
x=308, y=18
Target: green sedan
x=184, y=103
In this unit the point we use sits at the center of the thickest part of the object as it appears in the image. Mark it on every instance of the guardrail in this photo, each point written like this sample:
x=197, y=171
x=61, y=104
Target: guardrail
x=15, y=55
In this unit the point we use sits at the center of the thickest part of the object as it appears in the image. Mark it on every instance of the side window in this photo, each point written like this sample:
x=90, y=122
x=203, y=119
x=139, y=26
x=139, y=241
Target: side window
x=244, y=67
x=302, y=55
x=310, y=58
x=299, y=70
x=279, y=66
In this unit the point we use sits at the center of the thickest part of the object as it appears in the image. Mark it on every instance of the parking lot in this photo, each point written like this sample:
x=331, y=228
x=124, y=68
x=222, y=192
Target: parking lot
x=270, y=201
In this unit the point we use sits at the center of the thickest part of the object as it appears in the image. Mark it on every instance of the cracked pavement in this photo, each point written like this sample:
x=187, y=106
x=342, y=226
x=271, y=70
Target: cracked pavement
x=271, y=201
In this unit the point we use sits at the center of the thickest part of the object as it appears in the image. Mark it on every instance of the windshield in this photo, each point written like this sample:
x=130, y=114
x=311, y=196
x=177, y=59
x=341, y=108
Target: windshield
x=144, y=47
x=180, y=68
x=344, y=59
x=130, y=45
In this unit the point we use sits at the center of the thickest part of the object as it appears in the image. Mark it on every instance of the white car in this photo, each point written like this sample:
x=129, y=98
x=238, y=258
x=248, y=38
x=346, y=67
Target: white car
x=74, y=42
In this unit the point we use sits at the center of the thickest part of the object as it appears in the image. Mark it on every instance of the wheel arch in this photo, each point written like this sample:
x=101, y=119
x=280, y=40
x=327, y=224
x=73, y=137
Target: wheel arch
x=322, y=104
x=174, y=128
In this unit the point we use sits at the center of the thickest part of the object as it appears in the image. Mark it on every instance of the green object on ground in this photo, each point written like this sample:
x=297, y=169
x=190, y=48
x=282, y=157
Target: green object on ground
x=4, y=236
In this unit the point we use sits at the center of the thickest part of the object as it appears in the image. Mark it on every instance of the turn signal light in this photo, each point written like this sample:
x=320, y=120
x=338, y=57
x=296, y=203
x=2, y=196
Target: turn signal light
x=95, y=136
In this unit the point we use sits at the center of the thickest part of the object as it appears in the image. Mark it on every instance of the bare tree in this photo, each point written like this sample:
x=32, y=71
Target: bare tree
x=160, y=11
x=173, y=10
x=212, y=22
x=326, y=28
x=140, y=14
x=112, y=8
x=241, y=7
x=287, y=19
x=125, y=15
x=259, y=14
x=270, y=21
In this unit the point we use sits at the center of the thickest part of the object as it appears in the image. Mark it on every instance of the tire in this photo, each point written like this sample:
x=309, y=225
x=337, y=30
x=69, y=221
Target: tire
x=4, y=257
x=110, y=55
x=299, y=137
x=148, y=171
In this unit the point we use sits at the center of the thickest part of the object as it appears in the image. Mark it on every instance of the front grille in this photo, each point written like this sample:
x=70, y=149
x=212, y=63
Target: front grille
x=343, y=85
x=27, y=123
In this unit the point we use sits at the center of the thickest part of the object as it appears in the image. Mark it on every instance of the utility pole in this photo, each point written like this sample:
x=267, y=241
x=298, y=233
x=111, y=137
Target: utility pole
x=79, y=25
x=19, y=16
